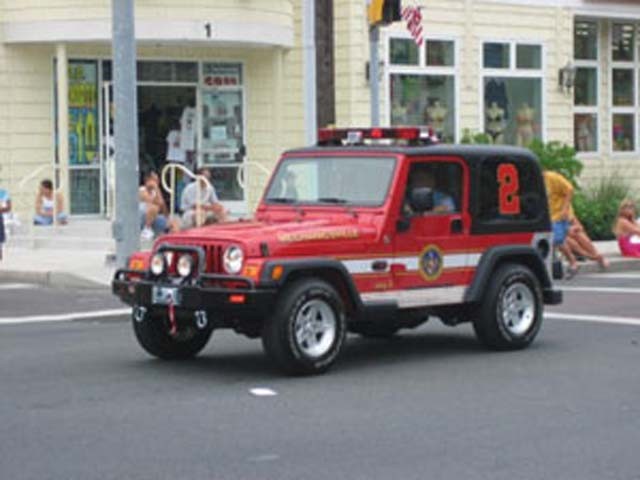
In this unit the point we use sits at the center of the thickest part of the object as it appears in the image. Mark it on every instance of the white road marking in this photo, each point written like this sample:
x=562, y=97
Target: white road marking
x=627, y=275
x=573, y=317
x=263, y=392
x=601, y=289
x=64, y=317
x=17, y=286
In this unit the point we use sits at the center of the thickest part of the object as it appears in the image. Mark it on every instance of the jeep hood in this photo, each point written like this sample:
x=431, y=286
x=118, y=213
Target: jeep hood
x=283, y=238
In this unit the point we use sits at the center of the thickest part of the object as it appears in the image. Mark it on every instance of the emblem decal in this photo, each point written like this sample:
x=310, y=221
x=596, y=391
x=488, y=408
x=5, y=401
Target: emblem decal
x=431, y=263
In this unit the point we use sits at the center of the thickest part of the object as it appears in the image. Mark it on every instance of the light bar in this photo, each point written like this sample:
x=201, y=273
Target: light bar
x=337, y=136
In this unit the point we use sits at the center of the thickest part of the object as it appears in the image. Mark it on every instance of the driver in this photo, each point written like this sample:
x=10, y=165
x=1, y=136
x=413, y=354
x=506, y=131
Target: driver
x=423, y=177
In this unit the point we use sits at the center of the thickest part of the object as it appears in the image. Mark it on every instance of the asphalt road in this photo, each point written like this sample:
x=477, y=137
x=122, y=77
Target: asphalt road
x=80, y=400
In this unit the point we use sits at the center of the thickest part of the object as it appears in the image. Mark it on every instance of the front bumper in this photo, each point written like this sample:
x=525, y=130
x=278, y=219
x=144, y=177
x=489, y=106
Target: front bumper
x=136, y=289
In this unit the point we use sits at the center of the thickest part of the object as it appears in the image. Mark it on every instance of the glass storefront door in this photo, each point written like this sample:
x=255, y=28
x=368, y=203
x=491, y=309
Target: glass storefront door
x=211, y=134
x=85, y=193
x=221, y=136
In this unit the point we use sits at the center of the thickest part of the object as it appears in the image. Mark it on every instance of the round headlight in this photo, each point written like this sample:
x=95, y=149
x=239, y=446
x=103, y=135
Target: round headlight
x=157, y=264
x=185, y=265
x=232, y=259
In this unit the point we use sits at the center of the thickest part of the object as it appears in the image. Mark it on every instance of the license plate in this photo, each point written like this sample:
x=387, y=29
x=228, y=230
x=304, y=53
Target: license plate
x=165, y=295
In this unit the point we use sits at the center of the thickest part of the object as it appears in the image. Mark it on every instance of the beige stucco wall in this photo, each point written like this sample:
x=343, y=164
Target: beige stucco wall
x=277, y=12
x=26, y=117
x=272, y=91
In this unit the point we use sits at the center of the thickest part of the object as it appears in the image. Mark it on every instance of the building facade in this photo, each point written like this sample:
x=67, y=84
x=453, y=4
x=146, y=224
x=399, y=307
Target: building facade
x=222, y=75
x=228, y=77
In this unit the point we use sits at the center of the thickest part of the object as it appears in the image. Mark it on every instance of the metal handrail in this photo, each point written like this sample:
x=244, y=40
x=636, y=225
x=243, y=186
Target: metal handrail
x=240, y=176
x=171, y=188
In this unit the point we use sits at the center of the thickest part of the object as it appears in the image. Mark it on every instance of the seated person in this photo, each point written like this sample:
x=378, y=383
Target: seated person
x=5, y=208
x=421, y=177
x=45, y=202
x=152, y=208
x=211, y=210
x=580, y=243
x=627, y=230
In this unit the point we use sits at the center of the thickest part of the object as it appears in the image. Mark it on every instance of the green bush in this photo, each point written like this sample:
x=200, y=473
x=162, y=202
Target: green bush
x=558, y=157
x=476, y=138
x=597, y=206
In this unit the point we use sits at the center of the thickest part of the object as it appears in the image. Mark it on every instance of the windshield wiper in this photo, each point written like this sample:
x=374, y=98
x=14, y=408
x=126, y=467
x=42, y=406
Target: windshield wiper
x=332, y=200
x=281, y=200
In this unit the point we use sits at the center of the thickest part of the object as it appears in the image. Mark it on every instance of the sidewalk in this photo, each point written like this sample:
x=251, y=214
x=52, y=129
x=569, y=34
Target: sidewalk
x=82, y=268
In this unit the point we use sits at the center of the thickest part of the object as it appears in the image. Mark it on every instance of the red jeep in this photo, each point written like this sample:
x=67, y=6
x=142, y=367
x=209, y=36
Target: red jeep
x=371, y=231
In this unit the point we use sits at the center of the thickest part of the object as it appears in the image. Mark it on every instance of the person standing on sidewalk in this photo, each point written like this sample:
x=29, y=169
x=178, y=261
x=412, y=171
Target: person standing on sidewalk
x=5, y=207
x=559, y=195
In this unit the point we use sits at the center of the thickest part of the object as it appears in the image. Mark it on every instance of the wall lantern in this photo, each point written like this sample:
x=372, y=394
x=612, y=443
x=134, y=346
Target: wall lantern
x=567, y=77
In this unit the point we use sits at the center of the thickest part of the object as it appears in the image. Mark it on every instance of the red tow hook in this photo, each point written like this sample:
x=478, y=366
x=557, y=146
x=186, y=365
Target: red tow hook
x=173, y=329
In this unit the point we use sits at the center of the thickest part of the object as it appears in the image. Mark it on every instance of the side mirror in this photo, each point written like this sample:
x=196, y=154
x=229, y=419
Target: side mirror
x=421, y=199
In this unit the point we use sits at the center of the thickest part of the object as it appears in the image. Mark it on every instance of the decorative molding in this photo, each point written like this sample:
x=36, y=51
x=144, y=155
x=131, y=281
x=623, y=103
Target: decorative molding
x=165, y=31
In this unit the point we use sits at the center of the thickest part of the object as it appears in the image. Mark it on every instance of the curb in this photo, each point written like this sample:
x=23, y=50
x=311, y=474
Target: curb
x=619, y=264
x=51, y=279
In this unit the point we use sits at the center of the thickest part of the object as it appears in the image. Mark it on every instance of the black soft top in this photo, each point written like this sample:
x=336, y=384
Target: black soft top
x=471, y=153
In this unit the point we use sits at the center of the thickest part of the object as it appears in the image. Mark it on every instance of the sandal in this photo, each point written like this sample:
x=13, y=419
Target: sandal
x=571, y=272
x=603, y=264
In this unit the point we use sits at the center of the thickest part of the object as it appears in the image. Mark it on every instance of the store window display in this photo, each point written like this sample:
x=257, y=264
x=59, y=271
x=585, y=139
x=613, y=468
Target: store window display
x=403, y=51
x=513, y=95
x=513, y=110
x=623, y=87
x=623, y=133
x=585, y=40
x=623, y=42
x=585, y=89
x=624, y=74
x=585, y=130
x=424, y=100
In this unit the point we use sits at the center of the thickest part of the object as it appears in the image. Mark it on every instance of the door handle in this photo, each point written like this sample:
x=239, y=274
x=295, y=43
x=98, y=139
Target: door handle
x=379, y=265
x=456, y=225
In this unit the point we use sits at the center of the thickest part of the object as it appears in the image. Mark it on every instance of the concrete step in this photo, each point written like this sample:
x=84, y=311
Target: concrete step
x=93, y=234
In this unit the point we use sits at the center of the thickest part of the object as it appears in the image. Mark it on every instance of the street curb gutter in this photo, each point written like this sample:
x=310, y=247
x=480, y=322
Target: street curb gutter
x=51, y=279
x=618, y=264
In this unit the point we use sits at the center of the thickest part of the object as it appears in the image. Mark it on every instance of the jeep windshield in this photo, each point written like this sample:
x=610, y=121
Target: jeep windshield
x=354, y=181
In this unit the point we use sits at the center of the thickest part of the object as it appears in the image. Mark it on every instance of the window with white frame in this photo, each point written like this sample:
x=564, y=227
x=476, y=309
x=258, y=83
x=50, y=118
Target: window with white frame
x=625, y=66
x=585, y=93
x=512, y=79
x=422, y=85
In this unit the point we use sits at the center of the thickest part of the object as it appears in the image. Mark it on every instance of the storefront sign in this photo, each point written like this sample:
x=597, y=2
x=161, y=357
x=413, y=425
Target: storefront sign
x=217, y=75
x=83, y=113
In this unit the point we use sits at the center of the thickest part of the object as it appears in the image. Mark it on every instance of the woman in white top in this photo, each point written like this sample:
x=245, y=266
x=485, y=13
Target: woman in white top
x=45, y=202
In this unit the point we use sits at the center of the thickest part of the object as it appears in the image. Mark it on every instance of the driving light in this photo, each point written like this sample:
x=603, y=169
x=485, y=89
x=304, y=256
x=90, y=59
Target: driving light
x=232, y=259
x=157, y=264
x=185, y=265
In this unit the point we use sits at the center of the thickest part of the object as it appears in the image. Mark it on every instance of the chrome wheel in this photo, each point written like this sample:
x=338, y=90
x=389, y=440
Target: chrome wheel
x=315, y=328
x=518, y=309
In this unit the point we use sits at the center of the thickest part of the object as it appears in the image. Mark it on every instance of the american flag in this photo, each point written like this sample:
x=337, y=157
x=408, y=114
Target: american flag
x=413, y=17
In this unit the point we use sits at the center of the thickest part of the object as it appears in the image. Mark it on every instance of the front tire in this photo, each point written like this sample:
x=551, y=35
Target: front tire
x=511, y=313
x=153, y=336
x=307, y=331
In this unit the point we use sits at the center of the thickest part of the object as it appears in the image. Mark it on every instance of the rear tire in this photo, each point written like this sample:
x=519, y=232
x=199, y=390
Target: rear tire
x=153, y=336
x=307, y=330
x=511, y=313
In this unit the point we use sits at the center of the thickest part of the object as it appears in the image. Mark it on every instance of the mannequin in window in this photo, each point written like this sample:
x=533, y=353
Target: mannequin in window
x=495, y=123
x=583, y=134
x=524, y=119
x=436, y=116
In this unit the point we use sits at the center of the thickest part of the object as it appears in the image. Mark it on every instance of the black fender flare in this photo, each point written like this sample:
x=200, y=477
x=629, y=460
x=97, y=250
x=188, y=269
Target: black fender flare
x=489, y=261
x=306, y=267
